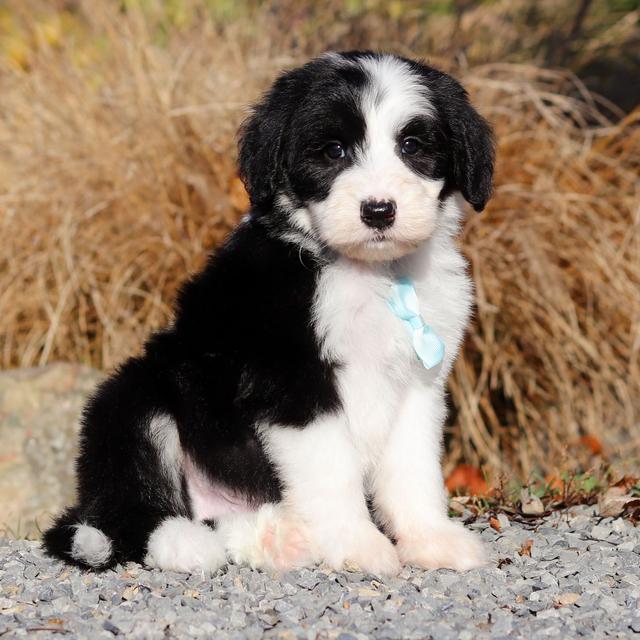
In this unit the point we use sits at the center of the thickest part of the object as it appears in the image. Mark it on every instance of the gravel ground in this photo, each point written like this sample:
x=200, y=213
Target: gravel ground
x=581, y=579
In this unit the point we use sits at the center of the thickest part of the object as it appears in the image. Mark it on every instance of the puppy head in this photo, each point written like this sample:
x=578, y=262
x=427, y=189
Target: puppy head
x=357, y=151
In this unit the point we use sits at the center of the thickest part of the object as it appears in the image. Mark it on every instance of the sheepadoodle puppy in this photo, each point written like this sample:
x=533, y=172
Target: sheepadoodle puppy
x=293, y=411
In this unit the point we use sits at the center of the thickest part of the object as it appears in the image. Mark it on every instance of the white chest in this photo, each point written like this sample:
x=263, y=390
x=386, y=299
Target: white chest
x=377, y=362
x=354, y=322
x=358, y=330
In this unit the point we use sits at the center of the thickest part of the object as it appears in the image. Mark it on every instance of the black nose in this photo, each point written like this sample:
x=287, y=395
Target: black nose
x=378, y=214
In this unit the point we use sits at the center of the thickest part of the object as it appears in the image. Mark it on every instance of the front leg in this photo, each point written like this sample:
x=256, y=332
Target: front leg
x=408, y=489
x=323, y=484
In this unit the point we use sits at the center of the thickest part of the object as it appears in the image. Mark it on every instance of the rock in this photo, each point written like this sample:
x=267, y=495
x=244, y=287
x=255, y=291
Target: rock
x=504, y=521
x=39, y=413
x=600, y=532
x=531, y=504
x=567, y=598
x=575, y=595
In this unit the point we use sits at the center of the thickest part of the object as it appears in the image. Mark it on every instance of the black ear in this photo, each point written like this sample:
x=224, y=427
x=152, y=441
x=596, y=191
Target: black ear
x=260, y=152
x=472, y=150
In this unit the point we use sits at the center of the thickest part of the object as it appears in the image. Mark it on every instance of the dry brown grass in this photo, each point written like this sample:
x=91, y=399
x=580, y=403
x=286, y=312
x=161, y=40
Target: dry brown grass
x=117, y=175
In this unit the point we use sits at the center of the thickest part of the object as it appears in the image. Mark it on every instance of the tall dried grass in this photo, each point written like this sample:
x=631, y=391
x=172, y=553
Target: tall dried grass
x=117, y=175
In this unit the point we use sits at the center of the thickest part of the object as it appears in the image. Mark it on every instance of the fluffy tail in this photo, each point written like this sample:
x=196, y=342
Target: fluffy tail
x=74, y=540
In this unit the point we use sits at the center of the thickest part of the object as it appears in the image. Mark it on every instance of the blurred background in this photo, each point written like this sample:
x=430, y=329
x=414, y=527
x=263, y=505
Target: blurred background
x=117, y=176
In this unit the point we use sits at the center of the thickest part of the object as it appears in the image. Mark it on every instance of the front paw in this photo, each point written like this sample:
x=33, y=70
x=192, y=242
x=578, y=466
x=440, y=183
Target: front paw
x=366, y=547
x=448, y=545
x=285, y=545
x=270, y=538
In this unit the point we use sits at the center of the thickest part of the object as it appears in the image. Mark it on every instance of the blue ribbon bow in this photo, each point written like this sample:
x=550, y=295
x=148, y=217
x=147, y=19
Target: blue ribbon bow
x=404, y=303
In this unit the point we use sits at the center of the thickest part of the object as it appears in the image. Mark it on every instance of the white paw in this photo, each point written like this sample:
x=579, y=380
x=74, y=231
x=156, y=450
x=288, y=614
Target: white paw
x=365, y=546
x=269, y=538
x=180, y=544
x=285, y=544
x=448, y=545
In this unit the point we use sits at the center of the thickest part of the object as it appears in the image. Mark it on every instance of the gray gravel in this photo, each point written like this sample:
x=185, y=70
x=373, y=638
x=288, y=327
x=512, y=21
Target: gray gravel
x=582, y=580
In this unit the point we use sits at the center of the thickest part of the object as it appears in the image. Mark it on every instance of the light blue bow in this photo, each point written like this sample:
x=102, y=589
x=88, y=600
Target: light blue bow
x=404, y=303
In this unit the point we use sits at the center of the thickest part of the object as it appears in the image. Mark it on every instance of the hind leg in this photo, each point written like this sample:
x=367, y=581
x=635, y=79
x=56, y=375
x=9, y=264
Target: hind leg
x=128, y=471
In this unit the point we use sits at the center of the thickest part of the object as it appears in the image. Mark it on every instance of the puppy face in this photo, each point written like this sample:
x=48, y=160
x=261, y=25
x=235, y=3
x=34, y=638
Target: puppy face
x=357, y=151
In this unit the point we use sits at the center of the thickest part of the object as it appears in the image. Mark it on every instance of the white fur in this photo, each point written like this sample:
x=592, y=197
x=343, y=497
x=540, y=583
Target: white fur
x=269, y=538
x=163, y=433
x=394, y=97
x=301, y=233
x=91, y=546
x=386, y=439
x=180, y=544
x=324, y=483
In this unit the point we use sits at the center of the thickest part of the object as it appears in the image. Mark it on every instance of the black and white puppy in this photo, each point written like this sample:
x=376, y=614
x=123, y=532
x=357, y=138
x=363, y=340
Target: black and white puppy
x=285, y=417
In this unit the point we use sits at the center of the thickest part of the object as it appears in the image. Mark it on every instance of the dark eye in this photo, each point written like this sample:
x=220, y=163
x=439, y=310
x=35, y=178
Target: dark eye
x=334, y=151
x=410, y=146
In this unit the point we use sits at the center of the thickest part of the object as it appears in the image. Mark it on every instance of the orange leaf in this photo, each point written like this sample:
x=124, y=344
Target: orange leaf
x=626, y=482
x=553, y=481
x=593, y=444
x=525, y=550
x=495, y=524
x=466, y=478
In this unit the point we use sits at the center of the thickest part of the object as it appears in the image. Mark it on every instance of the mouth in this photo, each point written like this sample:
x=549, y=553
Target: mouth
x=380, y=237
x=378, y=247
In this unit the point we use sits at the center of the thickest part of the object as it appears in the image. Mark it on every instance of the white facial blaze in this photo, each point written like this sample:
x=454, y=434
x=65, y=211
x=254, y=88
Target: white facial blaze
x=394, y=96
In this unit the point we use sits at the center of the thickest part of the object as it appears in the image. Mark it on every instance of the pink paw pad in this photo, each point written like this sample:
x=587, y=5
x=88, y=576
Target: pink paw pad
x=285, y=545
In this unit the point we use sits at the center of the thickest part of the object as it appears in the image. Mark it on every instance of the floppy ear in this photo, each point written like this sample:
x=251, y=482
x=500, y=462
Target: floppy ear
x=473, y=151
x=472, y=146
x=260, y=152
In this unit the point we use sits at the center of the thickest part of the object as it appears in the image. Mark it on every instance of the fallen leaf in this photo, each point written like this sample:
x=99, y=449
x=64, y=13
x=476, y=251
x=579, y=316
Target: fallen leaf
x=613, y=501
x=467, y=478
x=592, y=443
x=554, y=481
x=494, y=523
x=520, y=599
x=525, y=550
x=531, y=505
x=626, y=483
x=504, y=561
x=632, y=510
x=57, y=621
